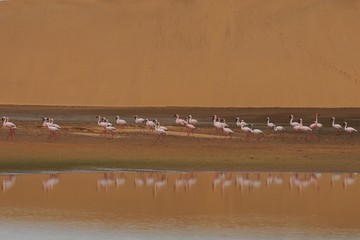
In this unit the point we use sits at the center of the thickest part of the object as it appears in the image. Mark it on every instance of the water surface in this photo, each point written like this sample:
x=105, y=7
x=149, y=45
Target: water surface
x=206, y=205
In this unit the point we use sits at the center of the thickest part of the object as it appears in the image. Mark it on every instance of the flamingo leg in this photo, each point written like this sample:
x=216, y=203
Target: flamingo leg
x=50, y=134
x=156, y=139
x=247, y=137
x=9, y=134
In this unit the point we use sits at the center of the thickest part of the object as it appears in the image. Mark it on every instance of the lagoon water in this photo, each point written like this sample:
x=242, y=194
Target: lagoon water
x=174, y=205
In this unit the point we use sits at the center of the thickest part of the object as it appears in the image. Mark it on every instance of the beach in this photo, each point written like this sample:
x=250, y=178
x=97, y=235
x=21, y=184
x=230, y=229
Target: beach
x=80, y=145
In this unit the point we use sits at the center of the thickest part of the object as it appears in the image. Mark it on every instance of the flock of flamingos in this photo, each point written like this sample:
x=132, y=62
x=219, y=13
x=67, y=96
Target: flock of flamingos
x=187, y=124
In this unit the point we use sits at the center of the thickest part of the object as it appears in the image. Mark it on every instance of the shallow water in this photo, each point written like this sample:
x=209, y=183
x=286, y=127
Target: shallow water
x=207, y=205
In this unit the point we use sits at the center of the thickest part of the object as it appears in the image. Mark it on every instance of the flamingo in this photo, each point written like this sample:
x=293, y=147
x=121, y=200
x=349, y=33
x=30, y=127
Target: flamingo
x=161, y=133
x=110, y=129
x=45, y=121
x=190, y=128
x=150, y=124
x=227, y=132
x=53, y=131
x=217, y=125
x=269, y=124
x=257, y=132
x=162, y=127
x=338, y=127
x=300, y=128
x=139, y=121
x=223, y=123
x=304, y=128
x=348, y=129
x=293, y=124
x=122, y=123
x=51, y=121
x=316, y=124
x=193, y=121
x=11, y=126
x=240, y=122
x=180, y=121
x=246, y=130
x=102, y=123
x=279, y=128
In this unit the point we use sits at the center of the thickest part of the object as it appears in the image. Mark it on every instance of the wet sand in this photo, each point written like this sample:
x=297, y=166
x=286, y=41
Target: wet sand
x=80, y=146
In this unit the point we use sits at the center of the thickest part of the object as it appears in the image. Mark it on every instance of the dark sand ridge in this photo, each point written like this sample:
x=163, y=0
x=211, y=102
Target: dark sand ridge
x=180, y=53
x=80, y=147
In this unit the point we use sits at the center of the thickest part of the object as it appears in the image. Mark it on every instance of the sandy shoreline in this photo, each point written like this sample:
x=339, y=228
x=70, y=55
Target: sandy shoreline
x=80, y=146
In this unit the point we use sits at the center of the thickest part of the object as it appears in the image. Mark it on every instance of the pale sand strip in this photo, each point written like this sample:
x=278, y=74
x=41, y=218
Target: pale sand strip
x=169, y=133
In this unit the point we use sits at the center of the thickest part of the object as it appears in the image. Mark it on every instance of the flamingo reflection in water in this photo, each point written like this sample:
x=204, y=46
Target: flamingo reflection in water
x=8, y=183
x=149, y=180
x=120, y=181
x=226, y=183
x=186, y=181
x=51, y=182
x=222, y=179
x=303, y=182
x=349, y=180
x=274, y=180
x=160, y=183
x=244, y=180
x=106, y=181
x=217, y=180
x=334, y=178
x=139, y=181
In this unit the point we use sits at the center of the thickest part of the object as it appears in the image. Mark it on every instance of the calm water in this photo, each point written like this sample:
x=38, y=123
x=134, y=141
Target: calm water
x=141, y=205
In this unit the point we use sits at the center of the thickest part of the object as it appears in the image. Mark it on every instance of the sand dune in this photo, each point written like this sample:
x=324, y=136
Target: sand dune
x=180, y=53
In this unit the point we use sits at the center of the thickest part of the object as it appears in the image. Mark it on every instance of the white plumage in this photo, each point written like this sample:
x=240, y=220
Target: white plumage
x=269, y=124
x=349, y=129
x=334, y=125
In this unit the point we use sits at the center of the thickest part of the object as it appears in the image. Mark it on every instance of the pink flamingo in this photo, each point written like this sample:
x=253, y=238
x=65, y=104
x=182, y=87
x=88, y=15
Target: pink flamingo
x=11, y=126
